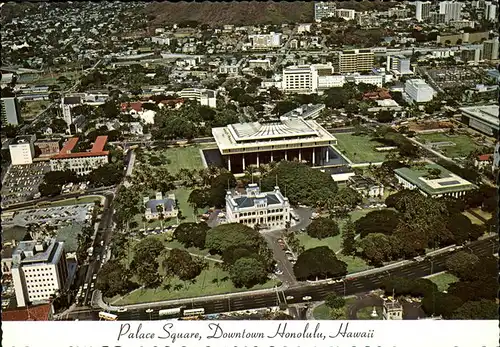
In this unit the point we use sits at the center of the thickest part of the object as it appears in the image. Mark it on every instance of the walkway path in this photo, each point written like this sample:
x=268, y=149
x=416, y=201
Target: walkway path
x=200, y=256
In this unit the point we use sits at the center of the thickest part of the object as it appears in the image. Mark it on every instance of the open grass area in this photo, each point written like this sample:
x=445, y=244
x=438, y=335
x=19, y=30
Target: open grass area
x=359, y=149
x=33, y=108
x=175, y=158
x=463, y=143
x=210, y=282
x=472, y=218
x=365, y=313
x=443, y=280
x=354, y=264
x=75, y=201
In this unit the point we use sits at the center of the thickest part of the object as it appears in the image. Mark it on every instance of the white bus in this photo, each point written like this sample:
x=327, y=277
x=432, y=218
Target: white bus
x=194, y=312
x=170, y=312
x=107, y=316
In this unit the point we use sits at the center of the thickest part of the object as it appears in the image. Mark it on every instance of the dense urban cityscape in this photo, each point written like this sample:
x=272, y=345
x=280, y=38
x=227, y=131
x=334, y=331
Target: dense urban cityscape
x=254, y=160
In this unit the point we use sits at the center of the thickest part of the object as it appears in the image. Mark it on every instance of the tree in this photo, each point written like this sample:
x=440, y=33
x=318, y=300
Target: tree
x=192, y=234
x=460, y=227
x=334, y=301
x=219, y=186
x=461, y=262
x=49, y=189
x=283, y=107
x=348, y=238
x=321, y=228
x=377, y=248
x=385, y=117
x=181, y=264
x=441, y=304
x=403, y=286
x=147, y=274
x=113, y=279
x=247, y=272
x=481, y=309
x=145, y=264
x=106, y=175
x=346, y=198
x=319, y=262
x=380, y=221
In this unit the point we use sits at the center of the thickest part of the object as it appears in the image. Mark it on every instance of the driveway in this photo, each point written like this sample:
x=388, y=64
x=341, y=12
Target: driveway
x=287, y=277
x=304, y=218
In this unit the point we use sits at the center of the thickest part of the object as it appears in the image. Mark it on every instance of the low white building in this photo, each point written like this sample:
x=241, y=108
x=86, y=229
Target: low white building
x=419, y=91
x=161, y=40
x=264, y=41
x=81, y=163
x=366, y=186
x=266, y=209
x=205, y=97
x=39, y=270
x=22, y=150
x=160, y=205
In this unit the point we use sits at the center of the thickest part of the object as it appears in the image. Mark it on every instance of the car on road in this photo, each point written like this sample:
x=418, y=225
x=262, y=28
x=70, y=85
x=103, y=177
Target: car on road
x=278, y=271
x=94, y=277
x=289, y=297
x=121, y=310
x=92, y=286
x=306, y=298
x=85, y=286
x=303, y=230
x=149, y=310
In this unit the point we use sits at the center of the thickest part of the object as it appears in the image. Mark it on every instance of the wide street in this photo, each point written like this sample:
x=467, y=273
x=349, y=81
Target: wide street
x=352, y=285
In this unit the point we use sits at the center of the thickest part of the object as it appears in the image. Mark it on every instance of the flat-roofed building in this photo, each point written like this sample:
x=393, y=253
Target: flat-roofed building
x=419, y=91
x=10, y=110
x=268, y=210
x=423, y=9
x=22, y=150
x=47, y=148
x=206, y=97
x=490, y=49
x=302, y=79
x=356, y=60
x=39, y=270
x=81, y=163
x=482, y=118
x=259, y=143
x=434, y=181
x=324, y=9
x=264, y=41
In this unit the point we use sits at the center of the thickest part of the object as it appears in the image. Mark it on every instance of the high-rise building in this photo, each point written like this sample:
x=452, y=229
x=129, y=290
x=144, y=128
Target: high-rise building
x=324, y=10
x=356, y=60
x=67, y=104
x=300, y=79
x=22, y=150
x=452, y=10
x=345, y=14
x=423, y=10
x=436, y=18
x=39, y=269
x=11, y=111
x=399, y=64
x=419, y=91
x=263, y=41
x=490, y=12
x=490, y=49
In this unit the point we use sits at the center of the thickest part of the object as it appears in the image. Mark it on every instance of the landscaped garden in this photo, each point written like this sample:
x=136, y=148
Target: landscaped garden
x=175, y=158
x=359, y=148
x=463, y=143
x=443, y=280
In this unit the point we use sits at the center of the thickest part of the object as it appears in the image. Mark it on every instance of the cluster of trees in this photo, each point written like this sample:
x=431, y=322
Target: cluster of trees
x=213, y=191
x=321, y=228
x=190, y=121
x=54, y=180
x=418, y=223
x=318, y=263
x=303, y=185
x=390, y=137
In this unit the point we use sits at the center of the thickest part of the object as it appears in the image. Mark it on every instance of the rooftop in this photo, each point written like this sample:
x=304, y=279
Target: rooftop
x=97, y=149
x=447, y=182
x=168, y=204
x=488, y=113
x=31, y=252
x=254, y=195
x=72, y=100
x=31, y=313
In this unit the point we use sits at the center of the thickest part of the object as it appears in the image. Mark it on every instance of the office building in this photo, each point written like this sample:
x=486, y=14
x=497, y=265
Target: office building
x=39, y=270
x=482, y=118
x=265, y=41
x=399, y=65
x=345, y=14
x=357, y=60
x=471, y=55
x=452, y=10
x=302, y=79
x=324, y=10
x=419, y=91
x=490, y=12
x=22, y=150
x=264, y=142
x=433, y=180
x=268, y=210
x=11, y=111
x=205, y=97
x=490, y=49
x=423, y=10
x=81, y=163
x=436, y=18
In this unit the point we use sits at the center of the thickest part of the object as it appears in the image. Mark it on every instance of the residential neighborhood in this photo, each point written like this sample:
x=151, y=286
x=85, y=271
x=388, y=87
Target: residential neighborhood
x=318, y=161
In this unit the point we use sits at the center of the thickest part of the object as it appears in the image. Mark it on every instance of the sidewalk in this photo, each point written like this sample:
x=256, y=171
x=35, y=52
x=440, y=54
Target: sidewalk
x=200, y=256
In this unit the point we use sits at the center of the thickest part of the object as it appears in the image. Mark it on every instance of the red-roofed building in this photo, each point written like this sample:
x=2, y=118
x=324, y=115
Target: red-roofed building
x=81, y=162
x=129, y=106
x=381, y=94
x=31, y=313
x=483, y=160
x=173, y=103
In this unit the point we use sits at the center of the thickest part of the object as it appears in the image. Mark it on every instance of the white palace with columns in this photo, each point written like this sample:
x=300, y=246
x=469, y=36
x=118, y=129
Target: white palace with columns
x=260, y=143
x=270, y=210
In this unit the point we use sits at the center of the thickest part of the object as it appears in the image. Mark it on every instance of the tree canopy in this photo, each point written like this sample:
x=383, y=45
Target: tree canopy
x=321, y=228
x=192, y=234
x=113, y=279
x=481, y=309
x=247, y=272
x=319, y=263
x=460, y=263
x=379, y=221
x=181, y=264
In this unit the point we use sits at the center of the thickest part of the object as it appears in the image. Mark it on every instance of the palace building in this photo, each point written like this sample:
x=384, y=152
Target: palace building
x=260, y=143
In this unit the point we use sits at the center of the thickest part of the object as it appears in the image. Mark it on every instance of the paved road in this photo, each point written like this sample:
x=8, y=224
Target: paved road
x=319, y=291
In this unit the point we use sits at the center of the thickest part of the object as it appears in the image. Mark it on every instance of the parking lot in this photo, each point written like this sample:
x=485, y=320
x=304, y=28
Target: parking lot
x=22, y=181
x=456, y=76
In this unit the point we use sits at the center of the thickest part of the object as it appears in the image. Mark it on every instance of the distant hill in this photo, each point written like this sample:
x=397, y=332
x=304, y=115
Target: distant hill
x=246, y=12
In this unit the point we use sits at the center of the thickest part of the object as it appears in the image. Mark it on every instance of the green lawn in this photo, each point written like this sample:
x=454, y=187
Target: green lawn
x=365, y=313
x=359, y=149
x=75, y=201
x=354, y=264
x=176, y=158
x=322, y=312
x=443, y=280
x=51, y=78
x=484, y=214
x=310, y=242
x=32, y=108
x=472, y=218
x=463, y=143
x=210, y=282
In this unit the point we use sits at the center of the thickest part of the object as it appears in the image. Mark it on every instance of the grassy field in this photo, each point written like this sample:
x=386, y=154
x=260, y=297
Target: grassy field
x=354, y=264
x=322, y=312
x=51, y=78
x=463, y=143
x=359, y=149
x=75, y=201
x=443, y=280
x=472, y=218
x=210, y=282
x=177, y=158
x=32, y=108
